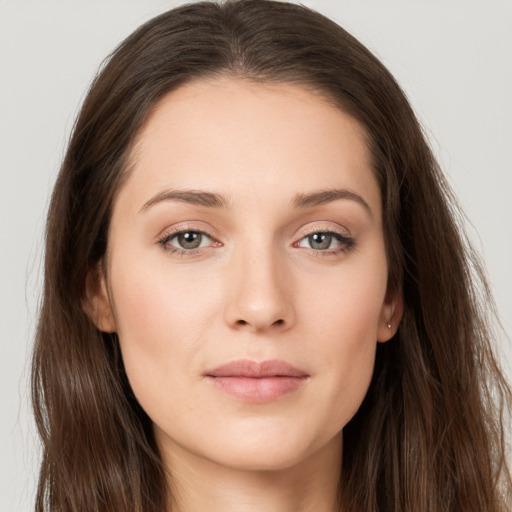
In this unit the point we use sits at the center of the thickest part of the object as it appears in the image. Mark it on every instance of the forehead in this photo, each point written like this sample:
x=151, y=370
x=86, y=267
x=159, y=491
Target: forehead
x=248, y=139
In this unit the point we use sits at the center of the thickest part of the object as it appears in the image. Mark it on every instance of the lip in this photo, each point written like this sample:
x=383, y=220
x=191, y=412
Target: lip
x=255, y=382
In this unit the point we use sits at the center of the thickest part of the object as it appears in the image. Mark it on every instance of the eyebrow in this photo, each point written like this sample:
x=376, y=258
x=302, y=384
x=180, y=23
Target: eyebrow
x=328, y=196
x=196, y=197
x=213, y=200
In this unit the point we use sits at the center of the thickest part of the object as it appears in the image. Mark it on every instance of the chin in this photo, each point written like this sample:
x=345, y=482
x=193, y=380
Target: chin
x=274, y=450
x=262, y=458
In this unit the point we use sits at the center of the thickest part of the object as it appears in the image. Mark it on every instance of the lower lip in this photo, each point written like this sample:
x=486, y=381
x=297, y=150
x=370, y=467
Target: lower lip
x=257, y=390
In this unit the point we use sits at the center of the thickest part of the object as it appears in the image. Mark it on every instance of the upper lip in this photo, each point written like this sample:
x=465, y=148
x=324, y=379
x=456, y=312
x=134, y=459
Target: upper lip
x=254, y=369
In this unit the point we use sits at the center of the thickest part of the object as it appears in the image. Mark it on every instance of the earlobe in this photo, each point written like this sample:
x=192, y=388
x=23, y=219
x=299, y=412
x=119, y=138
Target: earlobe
x=96, y=303
x=391, y=314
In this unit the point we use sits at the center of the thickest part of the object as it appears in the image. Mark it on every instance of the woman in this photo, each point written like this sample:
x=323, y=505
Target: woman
x=256, y=296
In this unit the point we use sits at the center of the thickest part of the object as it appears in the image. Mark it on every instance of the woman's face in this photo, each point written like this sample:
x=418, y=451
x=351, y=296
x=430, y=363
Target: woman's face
x=247, y=272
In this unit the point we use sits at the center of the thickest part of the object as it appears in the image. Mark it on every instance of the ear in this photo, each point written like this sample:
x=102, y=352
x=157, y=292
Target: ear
x=390, y=316
x=97, y=303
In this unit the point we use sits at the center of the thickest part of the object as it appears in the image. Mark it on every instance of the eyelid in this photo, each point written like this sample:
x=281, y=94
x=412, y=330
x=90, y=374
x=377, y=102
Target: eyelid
x=325, y=229
x=192, y=225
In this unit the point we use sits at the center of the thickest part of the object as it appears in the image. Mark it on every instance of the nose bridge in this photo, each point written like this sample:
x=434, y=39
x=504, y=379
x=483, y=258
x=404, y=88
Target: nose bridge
x=259, y=294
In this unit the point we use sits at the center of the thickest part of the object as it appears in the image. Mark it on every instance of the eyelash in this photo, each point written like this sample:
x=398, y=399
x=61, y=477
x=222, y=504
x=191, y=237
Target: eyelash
x=348, y=243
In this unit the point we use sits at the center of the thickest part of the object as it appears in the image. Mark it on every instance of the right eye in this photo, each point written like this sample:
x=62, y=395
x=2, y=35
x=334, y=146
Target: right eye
x=186, y=241
x=189, y=240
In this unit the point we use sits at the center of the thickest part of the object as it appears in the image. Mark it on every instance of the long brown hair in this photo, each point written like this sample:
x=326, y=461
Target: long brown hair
x=429, y=435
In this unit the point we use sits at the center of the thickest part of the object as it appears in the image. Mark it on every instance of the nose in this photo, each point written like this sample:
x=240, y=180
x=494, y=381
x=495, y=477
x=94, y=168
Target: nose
x=260, y=293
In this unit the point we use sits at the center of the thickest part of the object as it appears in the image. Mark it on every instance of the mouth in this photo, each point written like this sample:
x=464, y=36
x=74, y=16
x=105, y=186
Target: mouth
x=255, y=382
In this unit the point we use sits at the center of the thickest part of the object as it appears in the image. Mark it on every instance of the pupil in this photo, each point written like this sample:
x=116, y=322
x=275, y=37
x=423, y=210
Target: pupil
x=189, y=240
x=320, y=241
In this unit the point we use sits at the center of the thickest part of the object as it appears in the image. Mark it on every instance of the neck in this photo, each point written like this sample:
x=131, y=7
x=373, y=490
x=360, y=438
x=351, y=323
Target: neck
x=198, y=484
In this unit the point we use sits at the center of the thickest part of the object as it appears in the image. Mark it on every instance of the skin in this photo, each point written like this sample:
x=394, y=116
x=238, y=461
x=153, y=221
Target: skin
x=257, y=288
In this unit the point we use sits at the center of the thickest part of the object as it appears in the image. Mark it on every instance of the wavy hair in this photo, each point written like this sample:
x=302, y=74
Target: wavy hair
x=429, y=435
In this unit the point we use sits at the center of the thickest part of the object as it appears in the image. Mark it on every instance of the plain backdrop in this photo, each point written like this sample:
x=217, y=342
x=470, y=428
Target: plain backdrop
x=453, y=58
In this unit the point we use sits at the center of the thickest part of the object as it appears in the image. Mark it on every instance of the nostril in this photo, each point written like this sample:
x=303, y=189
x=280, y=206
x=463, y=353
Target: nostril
x=280, y=321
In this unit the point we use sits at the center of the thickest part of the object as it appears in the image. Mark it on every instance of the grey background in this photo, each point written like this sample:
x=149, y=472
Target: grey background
x=453, y=58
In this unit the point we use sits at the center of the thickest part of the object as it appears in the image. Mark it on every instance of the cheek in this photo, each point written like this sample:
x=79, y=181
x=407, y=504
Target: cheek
x=152, y=299
x=343, y=320
x=346, y=304
x=161, y=320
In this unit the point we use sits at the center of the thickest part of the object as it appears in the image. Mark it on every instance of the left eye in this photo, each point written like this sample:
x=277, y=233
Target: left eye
x=324, y=240
x=187, y=240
